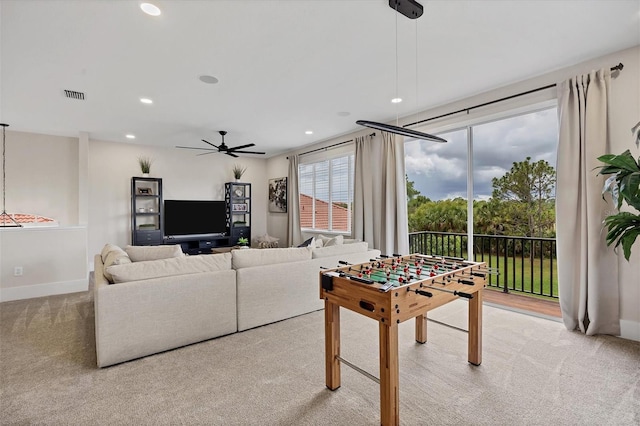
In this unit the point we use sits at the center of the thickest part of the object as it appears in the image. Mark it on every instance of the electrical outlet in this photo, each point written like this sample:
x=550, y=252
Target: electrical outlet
x=17, y=271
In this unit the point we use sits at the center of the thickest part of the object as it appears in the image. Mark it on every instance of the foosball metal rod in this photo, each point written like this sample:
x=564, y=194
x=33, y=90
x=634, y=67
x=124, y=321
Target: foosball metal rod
x=358, y=369
x=446, y=290
x=360, y=279
x=441, y=259
x=447, y=325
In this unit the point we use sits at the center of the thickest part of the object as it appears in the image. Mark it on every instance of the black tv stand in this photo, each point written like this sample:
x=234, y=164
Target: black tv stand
x=199, y=245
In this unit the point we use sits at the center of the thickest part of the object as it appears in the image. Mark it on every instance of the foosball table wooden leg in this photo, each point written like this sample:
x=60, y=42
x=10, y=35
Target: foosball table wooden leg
x=332, y=344
x=389, y=383
x=421, y=328
x=475, y=329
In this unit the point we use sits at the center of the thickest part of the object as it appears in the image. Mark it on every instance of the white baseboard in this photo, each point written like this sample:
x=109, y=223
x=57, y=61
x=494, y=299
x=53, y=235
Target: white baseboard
x=40, y=290
x=630, y=330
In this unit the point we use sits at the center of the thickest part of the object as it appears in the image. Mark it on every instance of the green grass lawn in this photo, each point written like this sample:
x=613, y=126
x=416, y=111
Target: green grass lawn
x=524, y=275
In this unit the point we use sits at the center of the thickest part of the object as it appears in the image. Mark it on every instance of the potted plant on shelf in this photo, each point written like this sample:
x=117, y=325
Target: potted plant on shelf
x=145, y=165
x=243, y=242
x=623, y=185
x=238, y=171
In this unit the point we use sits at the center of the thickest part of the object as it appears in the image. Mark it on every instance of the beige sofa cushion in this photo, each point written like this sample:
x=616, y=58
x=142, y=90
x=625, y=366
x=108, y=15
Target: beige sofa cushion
x=258, y=257
x=149, y=269
x=143, y=253
x=113, y=255
x=340, y=249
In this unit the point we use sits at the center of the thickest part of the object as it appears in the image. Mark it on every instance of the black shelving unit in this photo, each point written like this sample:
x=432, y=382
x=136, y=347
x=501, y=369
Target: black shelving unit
x=238, y=199
x=146, y=211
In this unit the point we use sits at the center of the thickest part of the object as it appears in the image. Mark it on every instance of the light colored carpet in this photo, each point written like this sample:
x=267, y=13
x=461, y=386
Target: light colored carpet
x=534, y=372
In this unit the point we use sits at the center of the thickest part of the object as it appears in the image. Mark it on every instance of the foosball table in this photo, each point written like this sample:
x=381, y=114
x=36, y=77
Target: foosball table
x=392, y=290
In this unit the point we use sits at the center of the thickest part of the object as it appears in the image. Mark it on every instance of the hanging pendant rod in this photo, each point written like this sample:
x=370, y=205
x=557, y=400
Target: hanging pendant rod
x=6, y=221
x=618, y=67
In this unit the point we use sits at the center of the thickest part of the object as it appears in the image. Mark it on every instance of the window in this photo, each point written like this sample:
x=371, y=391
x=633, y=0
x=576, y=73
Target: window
x=326, y=194
x=493, y=177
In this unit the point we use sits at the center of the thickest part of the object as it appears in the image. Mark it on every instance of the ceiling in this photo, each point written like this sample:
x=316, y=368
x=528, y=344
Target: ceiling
x=284, y=67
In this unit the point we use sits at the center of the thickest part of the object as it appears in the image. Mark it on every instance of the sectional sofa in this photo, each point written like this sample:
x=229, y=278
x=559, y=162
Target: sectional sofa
x=152, y=299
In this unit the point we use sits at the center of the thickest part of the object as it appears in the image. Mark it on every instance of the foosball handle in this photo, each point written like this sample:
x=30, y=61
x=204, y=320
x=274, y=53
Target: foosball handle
x=465, y=295
x=343, y=262
x=467, y=282
x=424, y=293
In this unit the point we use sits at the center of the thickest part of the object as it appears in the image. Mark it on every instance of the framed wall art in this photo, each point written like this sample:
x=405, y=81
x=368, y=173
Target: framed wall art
x=278, y=195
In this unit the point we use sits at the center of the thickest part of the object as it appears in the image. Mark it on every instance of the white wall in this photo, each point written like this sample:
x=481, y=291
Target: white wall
x=624, y=114
x=42, y=176
x=53, y=261
x=185, y=176
x=277, y=167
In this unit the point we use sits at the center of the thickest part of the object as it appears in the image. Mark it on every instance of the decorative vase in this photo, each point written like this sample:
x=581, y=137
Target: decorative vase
x=145, y=175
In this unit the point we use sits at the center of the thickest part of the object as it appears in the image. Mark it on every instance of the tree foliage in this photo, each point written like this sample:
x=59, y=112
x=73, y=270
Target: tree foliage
x=528, y=191
x=522, y=203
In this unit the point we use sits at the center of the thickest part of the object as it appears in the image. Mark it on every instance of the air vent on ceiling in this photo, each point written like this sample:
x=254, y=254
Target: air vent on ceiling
x=72, y=94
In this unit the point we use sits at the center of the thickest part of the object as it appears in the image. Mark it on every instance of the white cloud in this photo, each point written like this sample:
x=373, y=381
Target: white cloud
x=439, y=170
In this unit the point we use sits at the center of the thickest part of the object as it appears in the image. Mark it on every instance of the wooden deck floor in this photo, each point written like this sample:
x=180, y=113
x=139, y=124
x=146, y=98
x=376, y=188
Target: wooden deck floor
x=523, y=303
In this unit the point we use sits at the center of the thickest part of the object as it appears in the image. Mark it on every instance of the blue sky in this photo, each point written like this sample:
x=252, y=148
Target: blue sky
x=439, y=171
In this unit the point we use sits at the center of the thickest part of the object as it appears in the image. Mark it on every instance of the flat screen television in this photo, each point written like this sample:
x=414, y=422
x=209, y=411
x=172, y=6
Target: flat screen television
x=193, y=218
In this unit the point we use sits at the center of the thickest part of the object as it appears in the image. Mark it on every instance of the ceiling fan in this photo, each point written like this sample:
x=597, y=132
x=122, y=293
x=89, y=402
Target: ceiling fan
x=232, y=151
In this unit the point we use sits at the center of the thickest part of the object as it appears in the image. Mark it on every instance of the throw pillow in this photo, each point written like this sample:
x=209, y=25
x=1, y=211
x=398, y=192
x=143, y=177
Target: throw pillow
x=335, y=241
x=143, y=253
x=114, y=256
x=310, y=242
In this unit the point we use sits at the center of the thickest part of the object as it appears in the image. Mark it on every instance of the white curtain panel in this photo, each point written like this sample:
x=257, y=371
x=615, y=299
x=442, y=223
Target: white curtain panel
x=380, y=193
x=587, y=268
x=294, y=233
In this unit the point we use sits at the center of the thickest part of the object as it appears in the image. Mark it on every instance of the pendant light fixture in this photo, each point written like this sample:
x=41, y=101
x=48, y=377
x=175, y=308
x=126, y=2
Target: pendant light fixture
x=412, y=10
x=6, y=221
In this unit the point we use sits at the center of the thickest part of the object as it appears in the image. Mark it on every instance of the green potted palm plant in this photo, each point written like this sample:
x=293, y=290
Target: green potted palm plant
x=623, y=184
x=243, y=242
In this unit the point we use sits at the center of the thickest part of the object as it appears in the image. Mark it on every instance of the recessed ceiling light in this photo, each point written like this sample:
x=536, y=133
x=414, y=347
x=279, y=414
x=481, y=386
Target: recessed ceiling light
x=146, y=101
x=209, y=79
x=130, y=136
x=344, y=114
x=396, y=100
x=150, y=9
x=308, y=132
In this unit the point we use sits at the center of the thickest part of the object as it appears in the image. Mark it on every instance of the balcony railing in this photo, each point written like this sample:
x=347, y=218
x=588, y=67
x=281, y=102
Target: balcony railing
x=525, y=264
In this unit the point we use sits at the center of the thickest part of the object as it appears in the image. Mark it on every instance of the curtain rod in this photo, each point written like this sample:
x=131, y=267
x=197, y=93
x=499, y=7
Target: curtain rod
x=330, y=146
x=615, y=68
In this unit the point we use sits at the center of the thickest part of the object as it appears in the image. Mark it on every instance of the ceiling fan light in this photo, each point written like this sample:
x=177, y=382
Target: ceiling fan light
x=401, y=131
x=396, y=100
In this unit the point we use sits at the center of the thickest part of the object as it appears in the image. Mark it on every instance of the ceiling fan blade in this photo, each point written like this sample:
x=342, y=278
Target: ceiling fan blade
x=190, y=147
x=210, y=144
x=207, y=153
x=235, y=148
x=231, y=154
x=249, y=152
